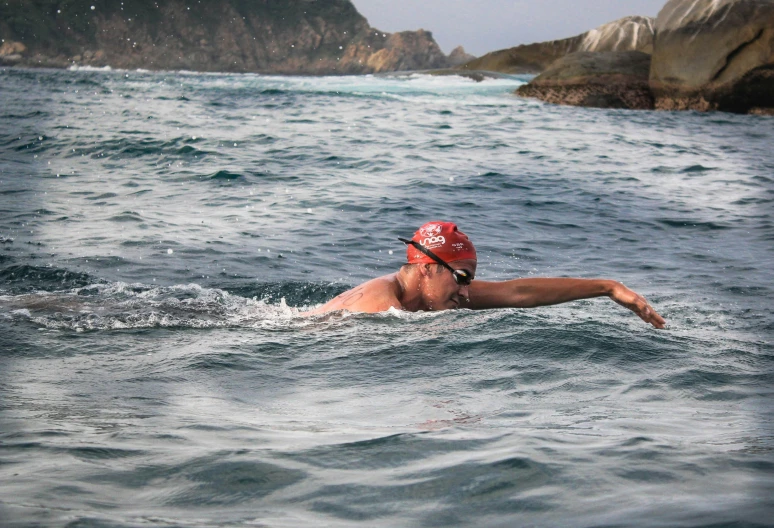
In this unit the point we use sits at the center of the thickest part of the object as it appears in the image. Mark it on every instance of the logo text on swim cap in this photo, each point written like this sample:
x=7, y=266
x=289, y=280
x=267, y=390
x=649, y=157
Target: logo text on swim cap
x=430, y=230
x=433, y=242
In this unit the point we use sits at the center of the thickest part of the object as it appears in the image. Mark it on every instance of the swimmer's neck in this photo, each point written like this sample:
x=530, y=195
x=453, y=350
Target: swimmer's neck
x=408, y=289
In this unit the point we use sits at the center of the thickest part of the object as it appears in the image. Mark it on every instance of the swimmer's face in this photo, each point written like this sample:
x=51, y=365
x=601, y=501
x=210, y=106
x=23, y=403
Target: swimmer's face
x=443, y=292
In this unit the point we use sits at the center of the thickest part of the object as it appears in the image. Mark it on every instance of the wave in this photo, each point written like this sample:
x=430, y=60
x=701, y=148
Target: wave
x=21, y=278
x=224, y=175
x=77, y=67
x=126, y=147
x=693, y=224
x=120, y=306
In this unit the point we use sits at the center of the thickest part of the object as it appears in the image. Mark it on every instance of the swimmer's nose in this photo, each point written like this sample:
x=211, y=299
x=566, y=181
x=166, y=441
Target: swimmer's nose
x=464, y=291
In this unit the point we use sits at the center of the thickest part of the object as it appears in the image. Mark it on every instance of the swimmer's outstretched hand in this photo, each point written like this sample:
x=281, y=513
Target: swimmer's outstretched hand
x=637, y=304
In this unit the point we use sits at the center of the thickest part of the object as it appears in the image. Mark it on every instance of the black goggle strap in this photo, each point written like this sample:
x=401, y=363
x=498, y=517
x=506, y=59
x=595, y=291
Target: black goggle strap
x=461, y=274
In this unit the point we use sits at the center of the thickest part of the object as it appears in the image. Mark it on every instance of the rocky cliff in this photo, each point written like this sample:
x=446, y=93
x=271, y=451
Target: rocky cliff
x=634, y=33
x=714, y=55
x=267, y=36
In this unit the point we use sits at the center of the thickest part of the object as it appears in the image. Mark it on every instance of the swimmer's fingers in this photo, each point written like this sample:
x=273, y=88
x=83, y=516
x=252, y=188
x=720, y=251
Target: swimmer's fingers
x=637, y=304
x=649, y=315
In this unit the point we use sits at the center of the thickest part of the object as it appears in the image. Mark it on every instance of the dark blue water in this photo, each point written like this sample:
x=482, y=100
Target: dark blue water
x=159, y=233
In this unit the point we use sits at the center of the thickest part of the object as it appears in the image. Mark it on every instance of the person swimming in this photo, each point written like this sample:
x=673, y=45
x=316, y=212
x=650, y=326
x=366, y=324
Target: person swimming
x=439, y=275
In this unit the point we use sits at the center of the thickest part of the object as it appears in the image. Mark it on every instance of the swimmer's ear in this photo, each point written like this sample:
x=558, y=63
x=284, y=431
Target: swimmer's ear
x=426, y=270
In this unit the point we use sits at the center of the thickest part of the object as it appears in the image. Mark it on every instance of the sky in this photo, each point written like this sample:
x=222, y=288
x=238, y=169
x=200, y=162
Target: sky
x=482, y=26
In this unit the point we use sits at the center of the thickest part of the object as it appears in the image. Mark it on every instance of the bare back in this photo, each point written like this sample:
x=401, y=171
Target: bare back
x=376, y=295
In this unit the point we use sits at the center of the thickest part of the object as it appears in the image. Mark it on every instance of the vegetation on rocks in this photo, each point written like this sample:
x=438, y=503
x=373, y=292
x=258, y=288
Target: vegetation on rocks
x=269, y=36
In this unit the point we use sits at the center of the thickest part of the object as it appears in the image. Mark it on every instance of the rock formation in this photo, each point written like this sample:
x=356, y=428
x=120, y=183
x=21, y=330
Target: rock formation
x=268, y=36
x=611, y=79
x=459, y=56
x=714, y=55
x=634, y=33
x=11, y=51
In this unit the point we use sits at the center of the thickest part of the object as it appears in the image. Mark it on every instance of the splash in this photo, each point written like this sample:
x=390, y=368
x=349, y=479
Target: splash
x=130, y=306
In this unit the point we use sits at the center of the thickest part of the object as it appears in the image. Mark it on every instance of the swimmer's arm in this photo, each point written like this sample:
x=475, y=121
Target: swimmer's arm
x=533, y=292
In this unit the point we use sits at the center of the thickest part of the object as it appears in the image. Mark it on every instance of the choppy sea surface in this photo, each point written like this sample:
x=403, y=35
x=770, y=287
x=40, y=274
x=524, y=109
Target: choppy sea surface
x=160, y=232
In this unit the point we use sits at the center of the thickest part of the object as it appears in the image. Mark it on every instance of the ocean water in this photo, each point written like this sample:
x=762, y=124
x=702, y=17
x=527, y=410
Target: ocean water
x=160, y=232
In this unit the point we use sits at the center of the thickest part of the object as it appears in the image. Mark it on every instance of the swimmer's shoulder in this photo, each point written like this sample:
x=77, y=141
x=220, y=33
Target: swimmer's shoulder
x=376, y=295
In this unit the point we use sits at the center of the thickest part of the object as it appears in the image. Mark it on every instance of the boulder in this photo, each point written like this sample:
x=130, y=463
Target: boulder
x=634, y=33
x=610, y=79
x=11, y=47
x=11, y=52
x=714, y=55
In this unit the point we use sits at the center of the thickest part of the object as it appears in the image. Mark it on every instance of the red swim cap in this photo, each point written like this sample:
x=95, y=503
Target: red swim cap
x=443, y=239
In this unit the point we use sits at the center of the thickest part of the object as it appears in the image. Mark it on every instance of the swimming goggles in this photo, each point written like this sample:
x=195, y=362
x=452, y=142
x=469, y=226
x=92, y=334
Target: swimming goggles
x=461, y=276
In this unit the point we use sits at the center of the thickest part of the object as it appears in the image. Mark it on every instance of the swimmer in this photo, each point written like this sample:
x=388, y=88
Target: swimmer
x=439, y=275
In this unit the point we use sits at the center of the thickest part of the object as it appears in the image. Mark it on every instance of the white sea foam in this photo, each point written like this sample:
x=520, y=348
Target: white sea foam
x=121, y=306
x=78, y=67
